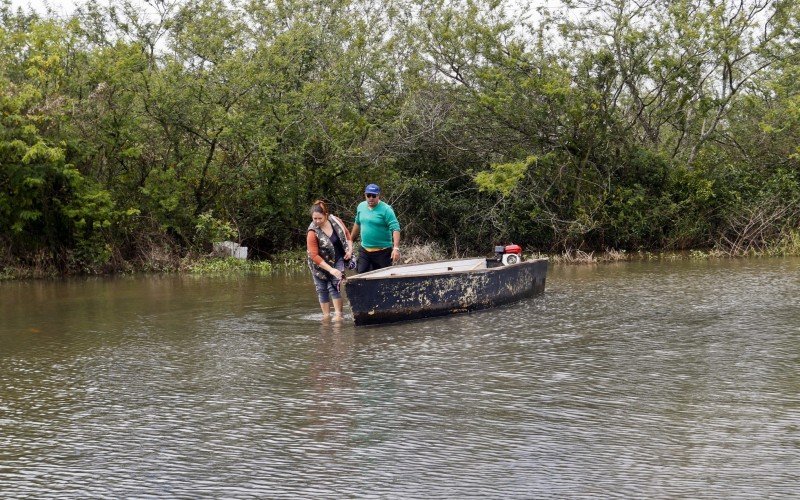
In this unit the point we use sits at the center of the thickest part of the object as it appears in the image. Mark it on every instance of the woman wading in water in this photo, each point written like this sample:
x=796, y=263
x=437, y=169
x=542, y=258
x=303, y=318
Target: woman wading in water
x=328, y=244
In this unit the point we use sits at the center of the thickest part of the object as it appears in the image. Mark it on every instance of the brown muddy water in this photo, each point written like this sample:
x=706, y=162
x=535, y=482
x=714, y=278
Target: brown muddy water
x=625, y=380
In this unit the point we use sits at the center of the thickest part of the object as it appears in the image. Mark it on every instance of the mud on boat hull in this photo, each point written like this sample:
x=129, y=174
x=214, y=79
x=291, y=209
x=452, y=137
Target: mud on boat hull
x=402, y=294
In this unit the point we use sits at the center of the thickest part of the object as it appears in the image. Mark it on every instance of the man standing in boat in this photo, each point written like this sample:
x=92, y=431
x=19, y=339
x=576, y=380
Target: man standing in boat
x=379, y=229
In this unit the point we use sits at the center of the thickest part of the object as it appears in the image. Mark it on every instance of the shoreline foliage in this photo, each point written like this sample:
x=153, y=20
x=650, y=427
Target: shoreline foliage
x=131, y=139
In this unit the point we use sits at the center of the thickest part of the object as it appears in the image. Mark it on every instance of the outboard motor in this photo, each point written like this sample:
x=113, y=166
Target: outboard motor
x=508, y=254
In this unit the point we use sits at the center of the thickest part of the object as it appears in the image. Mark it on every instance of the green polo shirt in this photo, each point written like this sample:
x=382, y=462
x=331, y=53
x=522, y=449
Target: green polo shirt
x=377, y=224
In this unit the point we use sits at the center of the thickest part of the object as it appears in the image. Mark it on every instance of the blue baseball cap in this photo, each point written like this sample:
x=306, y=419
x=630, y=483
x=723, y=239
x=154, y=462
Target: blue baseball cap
x=372, y=189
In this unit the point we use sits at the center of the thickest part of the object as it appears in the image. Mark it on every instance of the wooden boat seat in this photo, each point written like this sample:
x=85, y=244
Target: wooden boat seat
x=429, y=268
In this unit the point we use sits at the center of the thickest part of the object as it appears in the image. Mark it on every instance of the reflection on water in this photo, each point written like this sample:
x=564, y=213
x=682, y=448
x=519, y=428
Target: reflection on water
x=645, y=379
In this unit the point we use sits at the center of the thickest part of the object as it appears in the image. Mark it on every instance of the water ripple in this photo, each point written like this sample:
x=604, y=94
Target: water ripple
x=638, y=380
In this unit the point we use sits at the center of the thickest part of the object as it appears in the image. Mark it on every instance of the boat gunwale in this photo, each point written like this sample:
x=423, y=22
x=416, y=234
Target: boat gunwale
x=366, y=276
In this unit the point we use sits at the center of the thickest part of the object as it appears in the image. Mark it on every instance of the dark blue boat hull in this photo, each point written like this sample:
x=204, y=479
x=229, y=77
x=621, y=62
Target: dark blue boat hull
x=401, y=298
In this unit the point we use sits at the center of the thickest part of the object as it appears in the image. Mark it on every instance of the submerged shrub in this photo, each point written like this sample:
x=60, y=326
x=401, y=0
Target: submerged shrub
x=229, y=265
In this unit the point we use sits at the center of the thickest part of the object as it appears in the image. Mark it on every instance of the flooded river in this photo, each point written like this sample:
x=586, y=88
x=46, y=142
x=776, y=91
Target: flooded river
x=653, y=379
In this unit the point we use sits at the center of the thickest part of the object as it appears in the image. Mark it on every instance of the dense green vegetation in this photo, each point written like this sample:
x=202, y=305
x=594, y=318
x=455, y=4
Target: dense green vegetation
x=130, y=139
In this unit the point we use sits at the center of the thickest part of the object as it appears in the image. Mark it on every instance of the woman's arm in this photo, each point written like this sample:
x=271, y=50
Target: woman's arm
x=312, y=247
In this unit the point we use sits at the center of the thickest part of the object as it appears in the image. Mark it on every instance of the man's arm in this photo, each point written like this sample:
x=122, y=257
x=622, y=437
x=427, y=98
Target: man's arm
x=396, y=245
x=354, y=232
x=394, y=227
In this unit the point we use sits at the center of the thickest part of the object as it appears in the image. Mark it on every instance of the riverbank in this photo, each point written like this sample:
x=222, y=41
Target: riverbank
x=579, y=257
x=190, y=264
x=296, y=259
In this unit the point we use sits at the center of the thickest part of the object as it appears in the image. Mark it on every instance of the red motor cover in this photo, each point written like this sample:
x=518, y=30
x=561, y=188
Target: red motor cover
x=513, y=249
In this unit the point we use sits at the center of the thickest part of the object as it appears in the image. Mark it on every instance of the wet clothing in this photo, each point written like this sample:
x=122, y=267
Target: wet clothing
x=330, y=249
x=328, y=289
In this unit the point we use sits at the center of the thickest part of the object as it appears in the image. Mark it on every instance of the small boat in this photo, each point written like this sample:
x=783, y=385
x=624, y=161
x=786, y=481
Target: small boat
x=413, y=291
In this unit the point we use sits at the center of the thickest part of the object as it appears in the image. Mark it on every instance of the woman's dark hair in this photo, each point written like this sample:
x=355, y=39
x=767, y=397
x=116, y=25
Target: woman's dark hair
x=319, y=207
